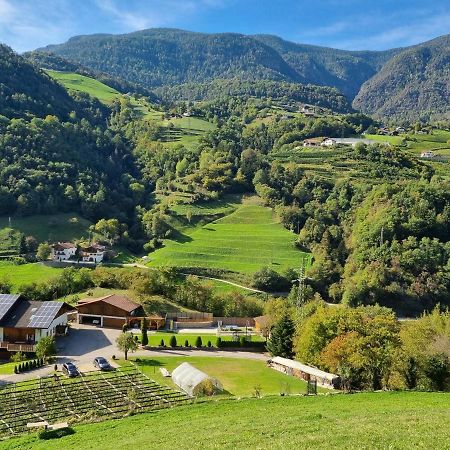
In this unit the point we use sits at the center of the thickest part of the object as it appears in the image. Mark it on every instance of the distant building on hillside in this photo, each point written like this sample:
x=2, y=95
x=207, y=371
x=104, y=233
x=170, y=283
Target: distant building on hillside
x=93, y=253
x=427, y=154
x=63, y=251
x=314, y=142
x=349, y=141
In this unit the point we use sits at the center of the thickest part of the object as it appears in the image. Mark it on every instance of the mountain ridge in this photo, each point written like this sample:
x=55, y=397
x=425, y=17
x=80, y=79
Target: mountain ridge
x=159, y=57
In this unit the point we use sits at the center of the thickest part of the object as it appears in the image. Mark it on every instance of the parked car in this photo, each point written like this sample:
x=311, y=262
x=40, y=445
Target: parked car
x=70, y=369
x=102, y=364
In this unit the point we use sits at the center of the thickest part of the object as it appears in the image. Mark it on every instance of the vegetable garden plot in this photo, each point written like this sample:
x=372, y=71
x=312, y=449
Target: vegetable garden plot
x=94, y=395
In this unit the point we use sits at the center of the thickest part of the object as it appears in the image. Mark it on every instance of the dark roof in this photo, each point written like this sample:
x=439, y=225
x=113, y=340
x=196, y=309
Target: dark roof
x=93, y=248
x=63, y=245
x=32, y=314
x=7, y=301
x=119, y=301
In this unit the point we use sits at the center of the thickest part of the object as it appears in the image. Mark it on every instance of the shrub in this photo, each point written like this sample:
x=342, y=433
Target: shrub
x=18, y=357
x=173, y=341
x=219, y=342
x=16, y=370
x=199, y=342
x=186, y=343
x=144, y=339
x=124, y=328
x=209, y=345
x=162, y=344
x=243, y=341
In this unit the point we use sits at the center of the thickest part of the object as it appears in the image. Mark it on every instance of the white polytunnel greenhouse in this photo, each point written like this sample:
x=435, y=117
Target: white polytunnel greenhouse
x=195, y=382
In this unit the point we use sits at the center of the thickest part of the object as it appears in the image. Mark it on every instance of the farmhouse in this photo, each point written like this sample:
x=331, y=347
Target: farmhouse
x=113, y=311
x=314, y=142
x=348, y=141
x=305, y=372
x=93, y=253
x=427, y=154
x=63, y=251
x=24, y=323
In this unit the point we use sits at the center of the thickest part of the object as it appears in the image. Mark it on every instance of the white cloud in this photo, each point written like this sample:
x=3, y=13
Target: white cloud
x=414, y=32
x=7, y=11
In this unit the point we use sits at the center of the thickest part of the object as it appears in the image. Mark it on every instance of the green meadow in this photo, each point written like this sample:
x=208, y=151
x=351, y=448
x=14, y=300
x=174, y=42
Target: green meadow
x=81, y=83
x=26, y=273
x=382, y=420
x=57, y=227
x=244, y=241
x=233, y=373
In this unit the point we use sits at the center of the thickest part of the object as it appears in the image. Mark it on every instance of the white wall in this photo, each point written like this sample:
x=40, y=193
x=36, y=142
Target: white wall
x=61, y=320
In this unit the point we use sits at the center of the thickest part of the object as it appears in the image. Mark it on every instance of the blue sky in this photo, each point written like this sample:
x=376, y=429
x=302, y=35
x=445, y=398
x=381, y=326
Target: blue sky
x=347, y=24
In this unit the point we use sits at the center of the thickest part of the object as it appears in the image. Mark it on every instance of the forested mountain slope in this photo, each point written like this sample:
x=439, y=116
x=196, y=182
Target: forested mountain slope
x=159, y=57
x=413, y=84
x=345, y=70
x=24, y=90
x=322, y=96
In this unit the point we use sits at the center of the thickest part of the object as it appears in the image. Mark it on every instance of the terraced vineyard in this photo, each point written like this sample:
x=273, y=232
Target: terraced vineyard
x=94, y=395
x=243, y=241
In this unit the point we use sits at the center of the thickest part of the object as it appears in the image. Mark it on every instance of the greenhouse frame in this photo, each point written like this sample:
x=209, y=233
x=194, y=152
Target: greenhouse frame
x=195, y=382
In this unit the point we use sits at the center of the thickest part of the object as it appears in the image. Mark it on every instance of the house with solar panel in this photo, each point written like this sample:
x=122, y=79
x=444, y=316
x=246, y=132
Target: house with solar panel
x=23, y=323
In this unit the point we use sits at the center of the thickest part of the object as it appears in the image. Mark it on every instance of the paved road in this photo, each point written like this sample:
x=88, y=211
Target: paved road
x=85, y=342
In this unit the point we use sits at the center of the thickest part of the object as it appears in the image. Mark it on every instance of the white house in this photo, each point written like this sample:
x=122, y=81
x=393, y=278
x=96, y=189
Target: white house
x=62, y=251
x=427, y=154
x=329, y=142
x=94, y=253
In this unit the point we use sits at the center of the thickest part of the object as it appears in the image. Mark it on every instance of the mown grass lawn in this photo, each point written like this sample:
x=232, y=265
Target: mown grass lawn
x=243, y=241
x=388, y=420
x=239, y=377
x=27, y=273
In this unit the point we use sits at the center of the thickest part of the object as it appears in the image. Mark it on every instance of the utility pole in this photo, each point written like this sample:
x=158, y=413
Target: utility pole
x=301, y=283
x=381, y=236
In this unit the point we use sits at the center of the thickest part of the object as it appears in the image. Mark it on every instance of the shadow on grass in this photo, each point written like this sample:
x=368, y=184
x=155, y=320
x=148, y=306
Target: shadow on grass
x=148, y=362
x=56, y=434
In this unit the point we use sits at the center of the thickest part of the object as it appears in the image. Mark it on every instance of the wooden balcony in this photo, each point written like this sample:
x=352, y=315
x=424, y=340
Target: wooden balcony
x=18, y=347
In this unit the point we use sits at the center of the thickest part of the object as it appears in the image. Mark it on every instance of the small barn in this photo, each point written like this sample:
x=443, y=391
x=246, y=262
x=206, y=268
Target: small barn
x=307, y=373
x=195, y=382
x=111, y=311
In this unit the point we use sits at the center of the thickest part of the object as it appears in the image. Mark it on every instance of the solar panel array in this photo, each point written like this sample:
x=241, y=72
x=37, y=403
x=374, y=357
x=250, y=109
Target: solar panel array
x=45, y=315
x=6, y=303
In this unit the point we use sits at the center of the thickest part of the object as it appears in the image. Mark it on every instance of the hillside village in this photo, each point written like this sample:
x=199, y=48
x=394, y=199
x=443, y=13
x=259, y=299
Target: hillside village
x=242, y=248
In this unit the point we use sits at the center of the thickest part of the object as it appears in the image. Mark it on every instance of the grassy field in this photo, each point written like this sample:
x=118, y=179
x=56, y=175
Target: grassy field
x=243, y=241
x=10, y=240
x=418, y=142
x=388, y=420
x=57, y=227
x=81, y=83
x=186, y=131
x=26, y=273
x=239, y=377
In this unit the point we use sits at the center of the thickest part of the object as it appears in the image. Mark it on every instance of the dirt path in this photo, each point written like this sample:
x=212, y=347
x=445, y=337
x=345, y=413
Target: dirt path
x=231, y=283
